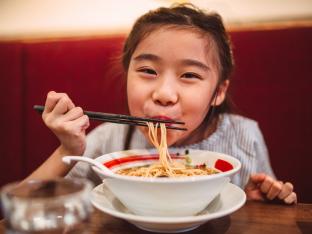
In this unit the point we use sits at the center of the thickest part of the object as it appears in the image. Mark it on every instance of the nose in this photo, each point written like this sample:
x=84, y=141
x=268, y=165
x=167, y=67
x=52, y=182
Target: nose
x=165, y=92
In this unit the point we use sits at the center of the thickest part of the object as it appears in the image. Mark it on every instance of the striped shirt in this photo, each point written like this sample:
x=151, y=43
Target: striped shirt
x=235, y=135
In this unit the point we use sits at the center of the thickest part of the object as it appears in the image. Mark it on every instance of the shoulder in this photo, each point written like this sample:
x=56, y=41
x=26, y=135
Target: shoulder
x=241, y=126
x=242, y=131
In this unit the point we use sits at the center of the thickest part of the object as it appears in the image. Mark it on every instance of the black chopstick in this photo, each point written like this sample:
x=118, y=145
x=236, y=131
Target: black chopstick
x=123, y=119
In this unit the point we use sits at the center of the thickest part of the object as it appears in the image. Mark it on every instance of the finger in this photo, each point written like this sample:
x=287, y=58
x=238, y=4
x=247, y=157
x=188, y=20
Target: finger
x=292, y=198
x=254, y=195
x=63, y=106
x=73, y=128
x=266, y=184
x=286, y=190
x=85, y=122
x=52, y=100
x=72, y=114
x=274, y=190
x=80, y=124
x=254, y=180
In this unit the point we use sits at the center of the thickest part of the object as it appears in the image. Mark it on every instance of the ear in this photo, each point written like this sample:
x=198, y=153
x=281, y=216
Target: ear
x=221, y=93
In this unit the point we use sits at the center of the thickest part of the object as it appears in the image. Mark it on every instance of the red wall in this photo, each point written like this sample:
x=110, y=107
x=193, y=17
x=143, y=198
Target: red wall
x=272, y=84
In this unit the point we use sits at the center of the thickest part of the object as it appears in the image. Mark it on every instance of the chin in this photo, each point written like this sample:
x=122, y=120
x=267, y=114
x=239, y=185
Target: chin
x=170, y=142
x=173, y=136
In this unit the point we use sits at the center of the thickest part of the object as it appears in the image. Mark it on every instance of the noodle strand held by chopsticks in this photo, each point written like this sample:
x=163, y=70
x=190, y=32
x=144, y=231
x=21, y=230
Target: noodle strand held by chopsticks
x=164, y=156
x=166, y=167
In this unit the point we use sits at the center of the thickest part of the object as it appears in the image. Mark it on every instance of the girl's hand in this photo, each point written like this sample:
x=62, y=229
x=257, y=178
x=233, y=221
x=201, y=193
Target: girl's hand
x=67, y=122
x=261, y=187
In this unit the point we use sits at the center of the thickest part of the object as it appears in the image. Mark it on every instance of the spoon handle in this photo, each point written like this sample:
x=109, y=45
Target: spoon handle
x=104, y=169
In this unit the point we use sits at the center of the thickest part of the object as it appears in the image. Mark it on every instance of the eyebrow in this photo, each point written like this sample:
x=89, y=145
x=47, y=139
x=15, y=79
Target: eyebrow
x=196, y=63
x=187, y=62
x=150, y=57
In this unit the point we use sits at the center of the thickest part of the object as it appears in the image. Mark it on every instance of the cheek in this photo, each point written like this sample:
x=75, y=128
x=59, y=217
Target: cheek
x=195, y=108
x=135, y=97
x=133, y=103
x=197, y=103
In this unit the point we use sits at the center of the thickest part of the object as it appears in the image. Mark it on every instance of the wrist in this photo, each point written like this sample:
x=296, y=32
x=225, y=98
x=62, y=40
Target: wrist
x=63, y=151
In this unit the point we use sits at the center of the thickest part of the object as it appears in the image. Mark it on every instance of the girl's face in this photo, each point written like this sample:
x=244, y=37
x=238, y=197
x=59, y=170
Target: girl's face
x=173, y=74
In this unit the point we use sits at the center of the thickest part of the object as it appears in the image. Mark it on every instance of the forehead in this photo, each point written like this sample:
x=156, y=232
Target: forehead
x=178, y=42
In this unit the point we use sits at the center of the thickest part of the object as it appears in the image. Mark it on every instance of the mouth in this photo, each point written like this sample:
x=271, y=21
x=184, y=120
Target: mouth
x=163, y=117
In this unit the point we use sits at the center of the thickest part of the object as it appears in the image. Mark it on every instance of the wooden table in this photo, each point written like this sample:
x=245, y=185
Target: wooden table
x=253, y=217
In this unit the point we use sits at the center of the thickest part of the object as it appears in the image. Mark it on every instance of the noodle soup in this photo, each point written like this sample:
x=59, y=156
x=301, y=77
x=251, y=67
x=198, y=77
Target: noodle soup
x=180, y=168
x=167, y=196
x=157, y=170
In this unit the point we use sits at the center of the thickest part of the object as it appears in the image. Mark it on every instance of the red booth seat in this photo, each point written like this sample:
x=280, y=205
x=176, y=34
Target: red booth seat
x=271, y=84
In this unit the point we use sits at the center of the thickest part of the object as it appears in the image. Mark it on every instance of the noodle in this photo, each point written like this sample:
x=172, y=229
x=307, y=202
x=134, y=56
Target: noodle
x=165, y=167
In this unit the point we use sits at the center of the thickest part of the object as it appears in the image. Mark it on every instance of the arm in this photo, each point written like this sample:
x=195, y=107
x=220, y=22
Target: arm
x=52, y=167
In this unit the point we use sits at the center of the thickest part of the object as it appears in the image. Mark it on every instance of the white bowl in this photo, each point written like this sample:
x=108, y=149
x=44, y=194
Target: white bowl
x=167, y=196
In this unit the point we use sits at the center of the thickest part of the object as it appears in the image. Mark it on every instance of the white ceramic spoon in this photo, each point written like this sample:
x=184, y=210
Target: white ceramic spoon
x=107, y=172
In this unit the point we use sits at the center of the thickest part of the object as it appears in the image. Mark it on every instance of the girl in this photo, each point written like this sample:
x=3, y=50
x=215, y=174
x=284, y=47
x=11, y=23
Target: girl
x=178, y=63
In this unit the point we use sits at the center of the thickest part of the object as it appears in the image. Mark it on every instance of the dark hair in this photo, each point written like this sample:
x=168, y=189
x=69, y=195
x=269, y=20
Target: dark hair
x=186, y=16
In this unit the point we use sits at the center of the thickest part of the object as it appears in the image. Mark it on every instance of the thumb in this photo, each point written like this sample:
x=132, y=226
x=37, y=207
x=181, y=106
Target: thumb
x=254, y=180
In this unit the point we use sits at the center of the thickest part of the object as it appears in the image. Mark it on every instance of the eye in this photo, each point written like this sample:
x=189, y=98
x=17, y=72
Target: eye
x=191, y=75
x=147, y=71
